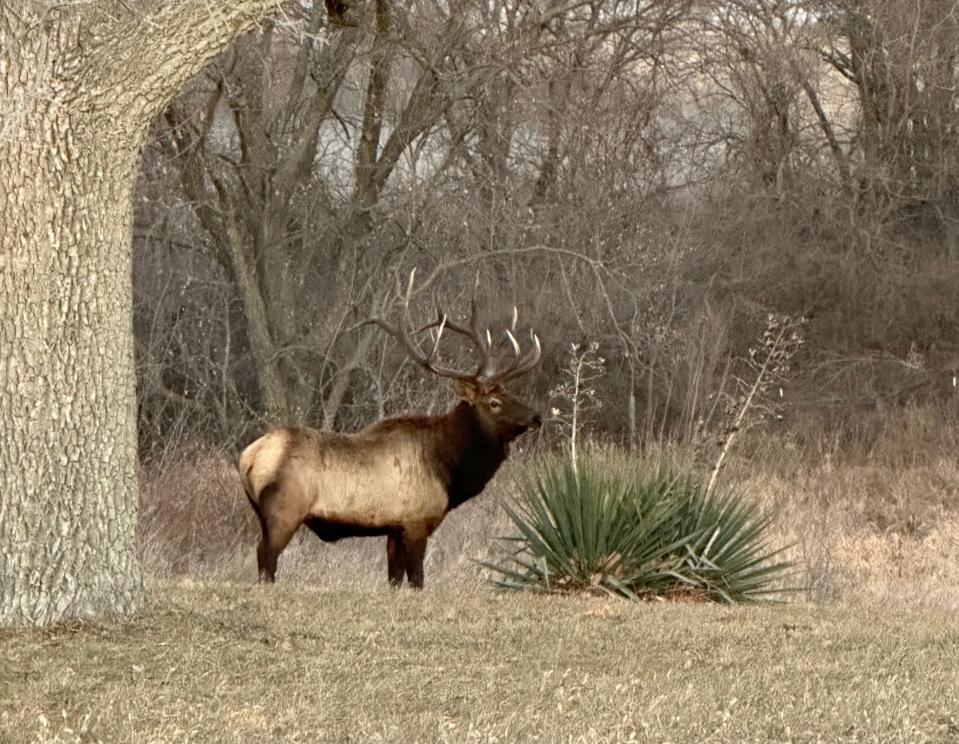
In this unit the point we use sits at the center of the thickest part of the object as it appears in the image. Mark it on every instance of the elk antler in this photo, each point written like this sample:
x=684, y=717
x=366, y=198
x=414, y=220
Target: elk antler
x=519, y=366
x=482, y=342
x=402, y=334
x=485, y=372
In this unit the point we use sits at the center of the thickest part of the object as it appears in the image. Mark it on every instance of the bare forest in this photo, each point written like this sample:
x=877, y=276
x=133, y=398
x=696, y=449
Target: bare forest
x=657, y=182
x=734, y=225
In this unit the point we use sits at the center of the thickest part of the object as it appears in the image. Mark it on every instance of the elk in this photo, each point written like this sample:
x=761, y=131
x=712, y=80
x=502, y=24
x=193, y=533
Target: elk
x=400, y=476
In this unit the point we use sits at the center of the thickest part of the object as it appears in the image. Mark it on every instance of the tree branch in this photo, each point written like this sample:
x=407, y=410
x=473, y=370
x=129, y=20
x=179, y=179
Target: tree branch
x=139, y=64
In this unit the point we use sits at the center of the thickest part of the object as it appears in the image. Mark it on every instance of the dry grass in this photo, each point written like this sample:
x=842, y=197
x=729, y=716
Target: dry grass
x=237, y=663
x=868, y=524
x=872, y=536
x=330, y=654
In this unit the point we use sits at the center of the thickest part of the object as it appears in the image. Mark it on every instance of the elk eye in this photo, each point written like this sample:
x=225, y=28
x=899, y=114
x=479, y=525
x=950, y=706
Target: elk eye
x=494, y=404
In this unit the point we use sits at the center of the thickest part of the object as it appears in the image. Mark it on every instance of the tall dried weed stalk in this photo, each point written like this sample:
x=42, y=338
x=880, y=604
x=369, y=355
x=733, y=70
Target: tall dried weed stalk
x=756, y=398
x=575, y=395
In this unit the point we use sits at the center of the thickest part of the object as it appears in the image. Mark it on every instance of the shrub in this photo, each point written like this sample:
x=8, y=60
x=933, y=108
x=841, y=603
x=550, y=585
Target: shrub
x=648, y=529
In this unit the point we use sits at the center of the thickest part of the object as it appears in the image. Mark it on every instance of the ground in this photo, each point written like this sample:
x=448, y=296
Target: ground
x=868, y=651
x=221, y=662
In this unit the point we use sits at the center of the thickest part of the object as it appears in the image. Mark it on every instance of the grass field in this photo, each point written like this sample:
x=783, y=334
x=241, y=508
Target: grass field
x=868, y=651
x=239, y=663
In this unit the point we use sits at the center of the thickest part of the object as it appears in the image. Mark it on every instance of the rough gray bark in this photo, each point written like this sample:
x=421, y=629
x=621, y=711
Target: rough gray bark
x=78, y=86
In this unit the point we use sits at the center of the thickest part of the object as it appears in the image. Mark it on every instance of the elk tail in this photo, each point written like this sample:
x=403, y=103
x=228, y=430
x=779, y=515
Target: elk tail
x=245, y=467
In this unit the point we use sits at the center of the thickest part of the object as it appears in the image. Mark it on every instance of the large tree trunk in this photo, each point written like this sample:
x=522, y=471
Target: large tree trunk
x=77, y=90
x=68, y=444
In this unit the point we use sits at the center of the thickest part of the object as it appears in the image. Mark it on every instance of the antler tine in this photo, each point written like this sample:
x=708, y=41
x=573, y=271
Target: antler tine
x=474, y=327
x=520, y=366
x=409, y=287
x=503, y=374
x=482, y=344
x=488, y=369
x=455, y=327
x=513, y=343
x=439, y=335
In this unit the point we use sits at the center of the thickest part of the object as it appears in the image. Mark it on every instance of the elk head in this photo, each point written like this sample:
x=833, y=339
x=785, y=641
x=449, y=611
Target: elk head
x=500, y=415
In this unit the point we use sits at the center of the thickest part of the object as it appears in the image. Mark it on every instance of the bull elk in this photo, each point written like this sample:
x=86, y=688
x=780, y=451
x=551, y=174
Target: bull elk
x=398, y=477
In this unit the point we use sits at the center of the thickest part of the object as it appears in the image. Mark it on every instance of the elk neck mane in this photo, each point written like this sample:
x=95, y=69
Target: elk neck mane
x=462, y=452
x=469, y=454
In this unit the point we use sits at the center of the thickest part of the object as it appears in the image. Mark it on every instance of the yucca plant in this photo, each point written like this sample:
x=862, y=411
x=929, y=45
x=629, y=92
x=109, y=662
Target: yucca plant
x=640, y=531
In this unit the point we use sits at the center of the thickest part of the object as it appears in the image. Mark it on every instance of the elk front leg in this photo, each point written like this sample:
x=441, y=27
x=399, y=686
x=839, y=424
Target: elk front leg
x=395, y=558
x=415, y=549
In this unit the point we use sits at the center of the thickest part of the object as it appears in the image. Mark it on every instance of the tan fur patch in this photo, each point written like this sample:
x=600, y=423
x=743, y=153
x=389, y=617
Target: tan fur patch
x=262, y=460
x=376, y=479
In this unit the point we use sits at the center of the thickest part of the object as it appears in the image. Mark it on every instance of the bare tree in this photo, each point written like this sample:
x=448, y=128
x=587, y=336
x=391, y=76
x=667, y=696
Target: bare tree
x=454, y=136
x=271, y=199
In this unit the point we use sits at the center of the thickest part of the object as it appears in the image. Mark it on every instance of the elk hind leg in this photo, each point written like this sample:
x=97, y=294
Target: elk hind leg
x=415, y=550
x=266, y=560
x=276, y=536
x=266, y=566
x=277, y=530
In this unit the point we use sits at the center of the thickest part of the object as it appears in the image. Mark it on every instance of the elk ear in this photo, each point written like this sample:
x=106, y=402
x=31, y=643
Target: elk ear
x=466, y=391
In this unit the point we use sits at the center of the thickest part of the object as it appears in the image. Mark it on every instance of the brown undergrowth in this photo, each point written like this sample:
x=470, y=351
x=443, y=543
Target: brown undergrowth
x=870, y=515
